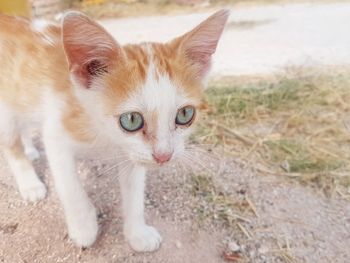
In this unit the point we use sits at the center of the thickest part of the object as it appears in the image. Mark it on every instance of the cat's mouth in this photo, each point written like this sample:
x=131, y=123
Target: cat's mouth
x=153, y=160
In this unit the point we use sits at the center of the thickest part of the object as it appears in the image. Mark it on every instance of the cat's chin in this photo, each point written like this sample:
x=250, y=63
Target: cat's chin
x=153, y=164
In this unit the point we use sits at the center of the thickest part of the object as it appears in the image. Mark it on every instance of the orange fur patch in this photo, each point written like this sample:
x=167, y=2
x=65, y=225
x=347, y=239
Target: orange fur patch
x=16, y=149
x=170, y=61
x=126, y=75
x=130, y=72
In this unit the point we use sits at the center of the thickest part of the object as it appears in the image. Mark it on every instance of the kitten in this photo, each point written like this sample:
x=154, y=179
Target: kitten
x=81, y=88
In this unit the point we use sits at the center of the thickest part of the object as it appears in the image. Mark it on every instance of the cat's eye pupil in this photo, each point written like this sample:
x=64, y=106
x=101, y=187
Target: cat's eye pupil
x=185, y=115
x=131, y=121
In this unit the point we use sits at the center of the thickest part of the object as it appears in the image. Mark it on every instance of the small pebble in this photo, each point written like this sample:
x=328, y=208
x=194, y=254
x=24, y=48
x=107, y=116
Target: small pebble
x=263, y=250
x=285, y=166
x=178, y=244
x=233, y=246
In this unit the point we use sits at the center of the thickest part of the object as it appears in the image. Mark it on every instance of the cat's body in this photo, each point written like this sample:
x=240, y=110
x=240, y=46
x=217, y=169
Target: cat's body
x=81, y=89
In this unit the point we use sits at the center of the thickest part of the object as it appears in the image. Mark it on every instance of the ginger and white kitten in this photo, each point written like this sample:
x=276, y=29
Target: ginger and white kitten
x=81, y=88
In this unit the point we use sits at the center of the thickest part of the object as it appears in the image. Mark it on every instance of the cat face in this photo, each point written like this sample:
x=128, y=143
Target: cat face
x=144, y=97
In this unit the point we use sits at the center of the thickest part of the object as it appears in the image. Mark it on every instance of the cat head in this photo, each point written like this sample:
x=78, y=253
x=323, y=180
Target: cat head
x=143, y=97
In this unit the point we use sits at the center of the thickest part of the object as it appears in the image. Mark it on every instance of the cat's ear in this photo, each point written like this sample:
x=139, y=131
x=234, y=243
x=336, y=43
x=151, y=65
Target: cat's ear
x=90, y=49
x=200, y=43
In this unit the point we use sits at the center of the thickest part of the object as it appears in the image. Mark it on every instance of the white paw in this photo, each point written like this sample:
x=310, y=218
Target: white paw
x=33, y=192
x=83, y=230
x=143, y=238
x=32, y=153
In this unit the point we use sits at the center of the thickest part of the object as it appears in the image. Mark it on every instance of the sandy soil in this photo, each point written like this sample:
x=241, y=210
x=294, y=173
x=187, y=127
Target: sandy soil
x=288, y=215
x=290, y=220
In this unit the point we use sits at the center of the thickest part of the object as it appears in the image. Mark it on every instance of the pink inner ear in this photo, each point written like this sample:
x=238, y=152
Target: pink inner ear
x=200, y=43
x=85, y=73
x=89, y=48
x=202, y=60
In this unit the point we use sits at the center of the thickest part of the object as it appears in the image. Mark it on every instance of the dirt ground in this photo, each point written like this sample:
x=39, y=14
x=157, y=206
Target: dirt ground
x=291, y=223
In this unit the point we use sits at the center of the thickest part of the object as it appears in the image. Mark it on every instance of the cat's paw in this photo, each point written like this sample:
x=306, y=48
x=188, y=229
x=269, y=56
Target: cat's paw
x=32, y=153
x=84, y=231
x=33, y=192
x=144, y=238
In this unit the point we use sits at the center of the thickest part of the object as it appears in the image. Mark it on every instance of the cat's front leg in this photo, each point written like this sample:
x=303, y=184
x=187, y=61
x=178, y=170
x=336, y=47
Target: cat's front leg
x=79, y=212
x=140, y=236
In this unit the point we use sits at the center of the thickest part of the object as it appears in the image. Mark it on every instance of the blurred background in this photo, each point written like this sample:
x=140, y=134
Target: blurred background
x=106, y=8
x=271, y=182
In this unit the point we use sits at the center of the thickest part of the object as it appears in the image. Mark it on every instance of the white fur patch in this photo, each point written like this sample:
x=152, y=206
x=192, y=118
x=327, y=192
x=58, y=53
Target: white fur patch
x=40, y=25
x=7, y=124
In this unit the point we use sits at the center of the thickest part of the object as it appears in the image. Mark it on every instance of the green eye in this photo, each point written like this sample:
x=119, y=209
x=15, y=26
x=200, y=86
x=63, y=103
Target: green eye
x=131, y=121
x=185, y=115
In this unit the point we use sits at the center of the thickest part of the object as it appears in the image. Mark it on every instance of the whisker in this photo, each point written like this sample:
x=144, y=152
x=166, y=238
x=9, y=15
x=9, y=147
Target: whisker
x=195, y=163
x=122, y=170
x=108, y=169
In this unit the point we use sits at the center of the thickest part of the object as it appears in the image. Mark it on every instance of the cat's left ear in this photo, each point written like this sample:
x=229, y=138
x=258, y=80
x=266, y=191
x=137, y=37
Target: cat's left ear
x=89, y=48
x=200, y=44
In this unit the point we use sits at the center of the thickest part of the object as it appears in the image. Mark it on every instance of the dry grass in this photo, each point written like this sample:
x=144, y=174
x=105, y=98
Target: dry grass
x=215, y=207
x=298, y=127
x=215, y=204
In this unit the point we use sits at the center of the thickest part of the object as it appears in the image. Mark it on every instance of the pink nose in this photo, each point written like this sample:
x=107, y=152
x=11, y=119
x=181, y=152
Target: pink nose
x=162, y=157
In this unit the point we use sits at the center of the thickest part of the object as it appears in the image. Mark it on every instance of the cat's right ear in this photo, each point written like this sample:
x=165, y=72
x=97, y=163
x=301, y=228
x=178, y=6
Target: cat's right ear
x=89, y=48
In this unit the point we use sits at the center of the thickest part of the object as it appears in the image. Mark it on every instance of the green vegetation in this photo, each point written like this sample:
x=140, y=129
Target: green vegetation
x=297, y=126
